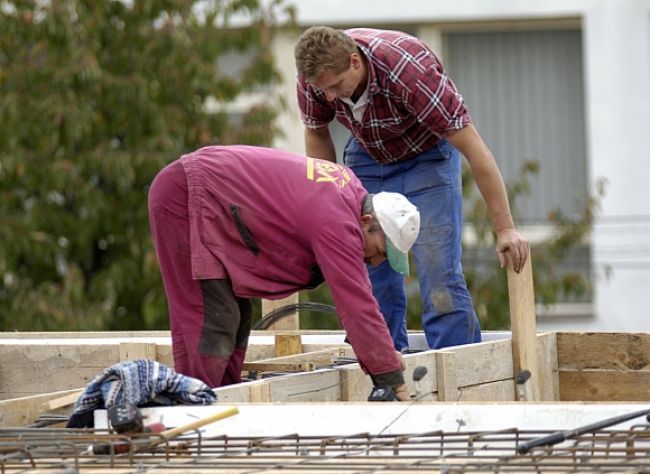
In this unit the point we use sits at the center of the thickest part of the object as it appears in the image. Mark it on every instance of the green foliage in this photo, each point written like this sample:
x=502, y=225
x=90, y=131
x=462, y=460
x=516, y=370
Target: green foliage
x=488, y=284
x=95, y=97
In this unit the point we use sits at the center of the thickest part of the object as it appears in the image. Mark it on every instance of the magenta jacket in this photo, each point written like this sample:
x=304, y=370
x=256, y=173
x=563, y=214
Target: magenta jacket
x=272, y=221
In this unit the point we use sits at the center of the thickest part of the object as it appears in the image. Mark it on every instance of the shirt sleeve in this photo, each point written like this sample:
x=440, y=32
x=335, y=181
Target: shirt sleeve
x=339, y=252
x=314, y=109
x=427, y=91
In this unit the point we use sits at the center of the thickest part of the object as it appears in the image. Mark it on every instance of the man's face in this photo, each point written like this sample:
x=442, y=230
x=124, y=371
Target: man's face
x=348, y=84
x=375, y=242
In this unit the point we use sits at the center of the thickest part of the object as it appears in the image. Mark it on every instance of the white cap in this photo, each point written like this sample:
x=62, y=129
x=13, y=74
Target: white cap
x=400, y=221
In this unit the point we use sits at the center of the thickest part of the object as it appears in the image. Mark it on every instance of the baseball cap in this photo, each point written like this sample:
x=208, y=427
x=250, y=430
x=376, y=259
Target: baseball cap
x=400, y=221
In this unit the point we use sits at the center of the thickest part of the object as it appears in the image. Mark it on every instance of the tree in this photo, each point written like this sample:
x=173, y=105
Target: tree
x=95, y=97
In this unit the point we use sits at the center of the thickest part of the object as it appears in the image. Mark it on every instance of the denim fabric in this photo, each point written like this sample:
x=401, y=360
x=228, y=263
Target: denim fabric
x=431, y=181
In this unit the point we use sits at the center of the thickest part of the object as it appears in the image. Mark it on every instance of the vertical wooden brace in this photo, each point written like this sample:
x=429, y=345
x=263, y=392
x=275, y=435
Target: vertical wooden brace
x=446, y=376
x=524, y=329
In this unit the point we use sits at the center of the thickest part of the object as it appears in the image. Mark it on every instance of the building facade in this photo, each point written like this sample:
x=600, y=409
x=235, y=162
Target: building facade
x=564, y=83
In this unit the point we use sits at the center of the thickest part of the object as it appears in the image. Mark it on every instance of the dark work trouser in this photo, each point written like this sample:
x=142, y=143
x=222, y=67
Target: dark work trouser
x=209, y=324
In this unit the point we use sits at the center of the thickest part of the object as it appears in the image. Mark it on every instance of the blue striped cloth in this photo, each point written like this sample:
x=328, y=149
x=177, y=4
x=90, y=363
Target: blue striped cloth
x=141, y=382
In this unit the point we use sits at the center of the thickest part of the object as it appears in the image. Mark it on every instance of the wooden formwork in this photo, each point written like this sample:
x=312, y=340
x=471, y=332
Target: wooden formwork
x=45, y=371
x=599, y=366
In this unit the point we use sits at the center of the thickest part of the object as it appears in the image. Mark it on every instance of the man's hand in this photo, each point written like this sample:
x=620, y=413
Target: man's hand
x=512, y=240
x=402, y=393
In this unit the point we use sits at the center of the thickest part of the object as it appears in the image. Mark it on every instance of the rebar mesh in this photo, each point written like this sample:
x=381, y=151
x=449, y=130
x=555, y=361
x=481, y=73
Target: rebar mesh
x=57, y=450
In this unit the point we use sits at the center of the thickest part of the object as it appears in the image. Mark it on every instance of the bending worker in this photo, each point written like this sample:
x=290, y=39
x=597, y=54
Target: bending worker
x=408, y=123
x=231, y=223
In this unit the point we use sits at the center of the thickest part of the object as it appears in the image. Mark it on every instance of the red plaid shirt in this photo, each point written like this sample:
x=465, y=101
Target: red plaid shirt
x=412, y=101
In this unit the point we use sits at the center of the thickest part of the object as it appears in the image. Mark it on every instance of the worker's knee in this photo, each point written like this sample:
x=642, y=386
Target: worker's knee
x=222, y=318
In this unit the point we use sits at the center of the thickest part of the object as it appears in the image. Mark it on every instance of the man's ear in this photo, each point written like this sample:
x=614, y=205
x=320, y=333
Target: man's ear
x=366, y=220
x=355, y=60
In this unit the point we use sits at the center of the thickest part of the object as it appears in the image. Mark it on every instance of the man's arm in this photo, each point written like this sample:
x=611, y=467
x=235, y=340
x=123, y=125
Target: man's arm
x=490, y=183
x=319, y=144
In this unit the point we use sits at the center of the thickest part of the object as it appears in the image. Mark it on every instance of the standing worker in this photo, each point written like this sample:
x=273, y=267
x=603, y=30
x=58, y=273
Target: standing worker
x=231, y=223
x=408, y=123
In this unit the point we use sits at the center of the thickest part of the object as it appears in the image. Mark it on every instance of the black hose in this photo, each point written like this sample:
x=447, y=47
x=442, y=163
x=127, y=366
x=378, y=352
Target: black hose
x=279, y=313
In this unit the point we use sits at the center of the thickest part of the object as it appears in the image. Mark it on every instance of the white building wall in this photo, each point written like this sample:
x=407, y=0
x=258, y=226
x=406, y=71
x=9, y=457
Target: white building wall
x=617, y=96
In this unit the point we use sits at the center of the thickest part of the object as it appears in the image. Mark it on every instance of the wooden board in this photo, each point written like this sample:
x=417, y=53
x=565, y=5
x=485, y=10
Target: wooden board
x=500, y=391
x=548, y=367
x=604, y=385
x=36, y=363
x=523, y=325
x=611, y=351
x=29, y=370
x=26, y=410
x=604, y=366
x=483, y=362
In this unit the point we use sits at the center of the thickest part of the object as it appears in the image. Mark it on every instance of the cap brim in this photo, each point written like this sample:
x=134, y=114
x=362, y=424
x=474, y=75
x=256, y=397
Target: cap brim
x=398, y=260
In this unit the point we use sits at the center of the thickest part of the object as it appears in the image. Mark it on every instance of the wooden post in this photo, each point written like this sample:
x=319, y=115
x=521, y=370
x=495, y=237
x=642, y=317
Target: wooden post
x=446, y=375
x=523, y=326
x=289, y=343
x=291, y=322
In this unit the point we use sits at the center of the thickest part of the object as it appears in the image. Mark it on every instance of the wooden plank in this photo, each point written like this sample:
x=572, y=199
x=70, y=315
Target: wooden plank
x=290, y=322
x=164, y=354
x=137, y=350
x=446, y=375
x=483, y=362
x=523, y=325
x=500, y=391
x=60, y=402
x=20, y=412
x=287, y=344
x=355, y=385
x=547, y=354
x=604, y=385
x=427, y=388
x=30, y=370
x=594, y=350
x=318, y=386
x=260, y=392
x=320, y=357
x=278, y=366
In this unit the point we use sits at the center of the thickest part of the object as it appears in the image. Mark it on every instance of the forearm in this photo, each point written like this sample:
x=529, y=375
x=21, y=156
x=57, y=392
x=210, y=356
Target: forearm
x=487, y=175
x=492, y=188
x=319, y=144
x=489, y=181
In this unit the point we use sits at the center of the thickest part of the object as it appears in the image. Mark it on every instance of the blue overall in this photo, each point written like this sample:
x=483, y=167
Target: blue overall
x=431, y=181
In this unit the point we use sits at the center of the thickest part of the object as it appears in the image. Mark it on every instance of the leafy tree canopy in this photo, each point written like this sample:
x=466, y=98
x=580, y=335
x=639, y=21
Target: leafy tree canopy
x=95, y=97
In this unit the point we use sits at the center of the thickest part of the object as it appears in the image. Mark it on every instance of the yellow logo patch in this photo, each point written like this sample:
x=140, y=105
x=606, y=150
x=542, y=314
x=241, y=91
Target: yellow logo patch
x=327, y=172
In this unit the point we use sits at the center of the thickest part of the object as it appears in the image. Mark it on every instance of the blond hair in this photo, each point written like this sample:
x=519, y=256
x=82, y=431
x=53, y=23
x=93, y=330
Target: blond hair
x=320, y=49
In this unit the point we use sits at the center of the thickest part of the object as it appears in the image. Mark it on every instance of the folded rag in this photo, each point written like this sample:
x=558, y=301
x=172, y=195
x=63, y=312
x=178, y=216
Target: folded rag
x=141, y=382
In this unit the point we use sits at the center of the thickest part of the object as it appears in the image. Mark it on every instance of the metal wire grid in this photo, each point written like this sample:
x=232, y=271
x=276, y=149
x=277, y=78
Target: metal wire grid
x=71, y=451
